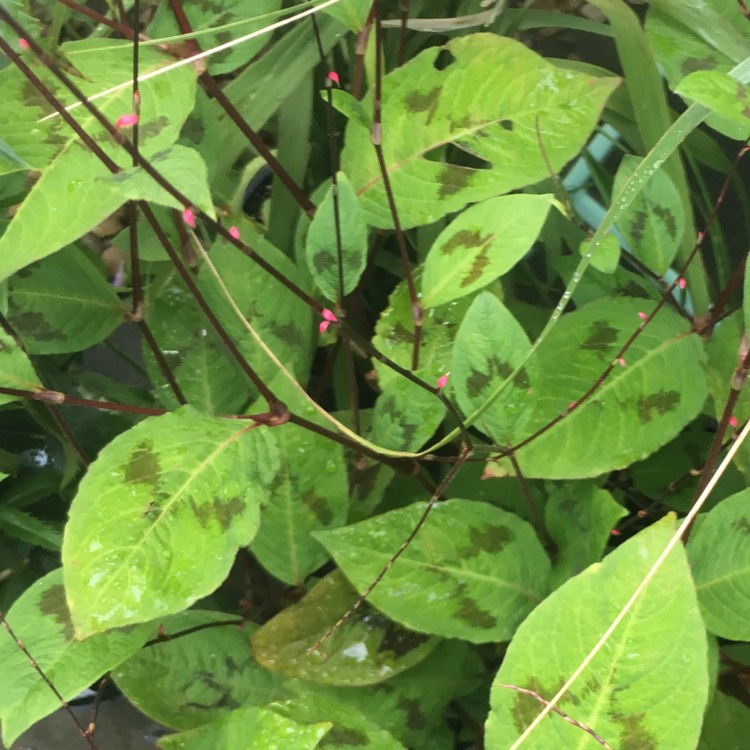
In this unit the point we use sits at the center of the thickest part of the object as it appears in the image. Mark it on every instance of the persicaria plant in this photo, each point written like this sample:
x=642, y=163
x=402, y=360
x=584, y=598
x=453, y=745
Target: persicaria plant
x=372, y=373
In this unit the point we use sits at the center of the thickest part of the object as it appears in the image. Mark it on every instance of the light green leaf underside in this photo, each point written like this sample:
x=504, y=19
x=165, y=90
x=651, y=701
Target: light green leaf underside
x=521, y=99
x=473, y=572
x=158, y=518
x=646, y=688
x=40, y=618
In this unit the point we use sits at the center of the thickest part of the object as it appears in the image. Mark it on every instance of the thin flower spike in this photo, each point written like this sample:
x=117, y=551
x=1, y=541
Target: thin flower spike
x=234, y=232
x=189, y=217
x=126, y=121
x=442, y=381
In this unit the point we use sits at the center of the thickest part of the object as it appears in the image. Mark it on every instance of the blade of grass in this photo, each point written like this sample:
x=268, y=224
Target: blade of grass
x=652, y=117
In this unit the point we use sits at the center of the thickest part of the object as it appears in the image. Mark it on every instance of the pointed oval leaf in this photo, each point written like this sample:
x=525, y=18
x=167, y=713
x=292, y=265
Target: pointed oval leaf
x=40, y=619
x=311, y=493
x=522, y=99
x=63, y=304
x=181, y=166
x=159, y=516
x=720, y=556
x=647, y=688
x=169, y=683
x=720, y=92
x=67, y=201
x=321, y=247
x=16, y=370
x=654, y=225
x=484, y=242
x=490, y=344
x=657, y=389
x=364, y=650
x=473, y=571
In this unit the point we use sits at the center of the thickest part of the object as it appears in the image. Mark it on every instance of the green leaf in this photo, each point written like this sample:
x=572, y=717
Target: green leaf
x=489, y=345
x=67, y=201
x=224, y=22
x=605, y=257
x=579, y=518
x=160, y=515
x=40, y=619
x=726, y=725
x=483, y=243
x=63, y=304
x=310, y=493
x=351, y=13
x=364, y=650
x=473, y=572
x=169, y=683
x=637, y=409
x=405, y=416
x=282, y=320
x=196, y=356
x=321, y=247
x=181, y=166
x=719, y=92
x=16, y=371
x=424, y=109
x=22, y=525
x=250, y=729
x=720, y=559
x=646, y=688
x=654, y=225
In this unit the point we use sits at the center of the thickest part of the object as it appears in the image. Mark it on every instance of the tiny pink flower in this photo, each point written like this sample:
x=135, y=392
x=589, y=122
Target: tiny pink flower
x=189, y=217
x=700, y=237
x=442, y=381
x=328, y=318
x=23, y=43
x=682, y=283
x=234, y=232
x=615, y=532
x=126, y=121
x=620, y=361
x=642, y=315
x=733, y=421
x=571, y=406
x=334, y=77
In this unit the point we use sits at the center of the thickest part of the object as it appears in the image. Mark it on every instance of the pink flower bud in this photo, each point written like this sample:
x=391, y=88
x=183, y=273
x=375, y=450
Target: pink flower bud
x=442, y=381
x=126, y=121
x=189, y=217
x=234, y=232
x=682, y=283
x=620, y=361
x=642, y=315
x=329, y=316
x=23, y=43
x=334, y=77
x=733, y=422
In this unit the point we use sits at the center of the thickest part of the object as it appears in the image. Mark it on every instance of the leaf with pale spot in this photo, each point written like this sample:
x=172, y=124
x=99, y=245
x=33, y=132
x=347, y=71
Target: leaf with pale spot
x=366, y=649
x=160, y=515
x=473, y=571
x=483, y=243
x=647, y=688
